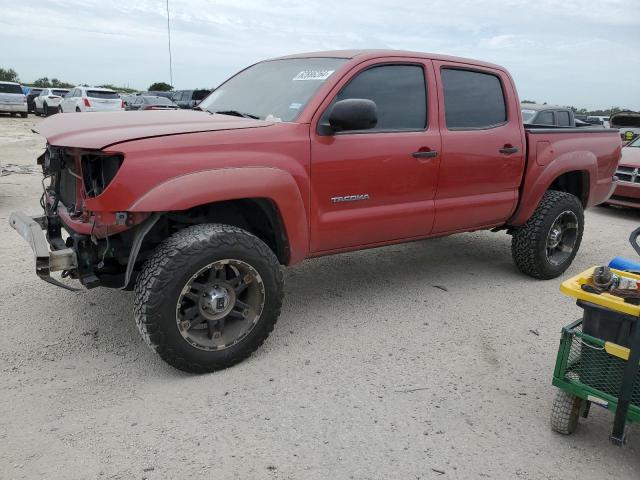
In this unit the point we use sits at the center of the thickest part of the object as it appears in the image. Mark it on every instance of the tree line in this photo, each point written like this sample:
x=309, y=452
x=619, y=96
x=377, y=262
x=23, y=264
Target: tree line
x=10, y=75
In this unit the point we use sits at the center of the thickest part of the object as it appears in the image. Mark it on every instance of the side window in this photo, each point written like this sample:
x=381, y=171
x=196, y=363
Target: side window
x=545, y=118
x=472, y=99
x=563, y=119
x=399, y=92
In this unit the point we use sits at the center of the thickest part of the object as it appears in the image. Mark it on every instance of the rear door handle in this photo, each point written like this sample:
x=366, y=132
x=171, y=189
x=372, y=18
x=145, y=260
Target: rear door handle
x=425, y=154
x=508, y=150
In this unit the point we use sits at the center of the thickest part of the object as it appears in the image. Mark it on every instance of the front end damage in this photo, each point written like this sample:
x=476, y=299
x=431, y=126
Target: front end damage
x=92, y=247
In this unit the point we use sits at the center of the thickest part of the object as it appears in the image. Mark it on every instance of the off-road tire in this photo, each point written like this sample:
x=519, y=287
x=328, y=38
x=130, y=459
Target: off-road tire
x=529, y=242
x=170, y=267
x=565, y=412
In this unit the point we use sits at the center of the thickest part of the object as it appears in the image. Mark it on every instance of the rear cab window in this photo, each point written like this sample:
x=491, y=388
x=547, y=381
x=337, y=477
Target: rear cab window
x=564, y=119
x=545, y=118
x=472, y=99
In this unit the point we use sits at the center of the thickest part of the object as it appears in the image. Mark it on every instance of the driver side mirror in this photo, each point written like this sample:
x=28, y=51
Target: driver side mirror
x=353, y=114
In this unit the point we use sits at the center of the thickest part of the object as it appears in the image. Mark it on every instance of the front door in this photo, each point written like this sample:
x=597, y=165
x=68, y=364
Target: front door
x=378, y=185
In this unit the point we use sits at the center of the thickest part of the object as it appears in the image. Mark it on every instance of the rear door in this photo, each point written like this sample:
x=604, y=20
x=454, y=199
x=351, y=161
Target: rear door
x=482, y=147
x=367, y=185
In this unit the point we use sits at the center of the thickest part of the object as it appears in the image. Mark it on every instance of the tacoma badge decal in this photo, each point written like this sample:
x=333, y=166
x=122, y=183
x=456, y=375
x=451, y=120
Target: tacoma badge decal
x=350, y=198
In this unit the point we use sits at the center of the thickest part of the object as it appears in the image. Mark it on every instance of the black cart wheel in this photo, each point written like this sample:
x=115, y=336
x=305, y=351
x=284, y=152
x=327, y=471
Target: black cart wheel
x=565, y=412
x=545, y=246
x=208, y=297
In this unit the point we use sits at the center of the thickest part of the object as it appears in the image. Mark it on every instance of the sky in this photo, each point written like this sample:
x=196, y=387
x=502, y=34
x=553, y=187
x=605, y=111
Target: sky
x=582, y=53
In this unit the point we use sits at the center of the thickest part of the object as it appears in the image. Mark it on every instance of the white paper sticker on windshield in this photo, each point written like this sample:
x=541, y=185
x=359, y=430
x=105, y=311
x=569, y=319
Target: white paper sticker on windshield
x=313, y=75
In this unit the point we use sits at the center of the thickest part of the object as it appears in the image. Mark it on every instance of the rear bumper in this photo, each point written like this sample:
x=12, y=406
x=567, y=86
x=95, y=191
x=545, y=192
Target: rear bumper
x=13, y=107
x=46, y=260
x=626, y=194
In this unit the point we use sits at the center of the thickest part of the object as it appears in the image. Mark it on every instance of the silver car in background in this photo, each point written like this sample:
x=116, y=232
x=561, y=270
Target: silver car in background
x=12, y=100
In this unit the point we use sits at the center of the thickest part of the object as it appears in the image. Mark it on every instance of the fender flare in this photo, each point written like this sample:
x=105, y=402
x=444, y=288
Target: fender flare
x=235, y=183
x=535, y=188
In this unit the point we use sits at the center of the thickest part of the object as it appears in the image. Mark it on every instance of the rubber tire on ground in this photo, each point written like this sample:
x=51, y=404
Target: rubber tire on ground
x=24, y=114
x=165, y=273
x=529, y=242
x=565, y=412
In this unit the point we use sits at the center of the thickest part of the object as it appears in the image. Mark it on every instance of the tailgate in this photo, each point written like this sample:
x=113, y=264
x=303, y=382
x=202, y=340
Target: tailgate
x=11, y=98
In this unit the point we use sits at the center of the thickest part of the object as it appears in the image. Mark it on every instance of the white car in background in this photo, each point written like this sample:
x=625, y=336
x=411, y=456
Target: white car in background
x=12, y=99
x=91, y=99
x=47, y=102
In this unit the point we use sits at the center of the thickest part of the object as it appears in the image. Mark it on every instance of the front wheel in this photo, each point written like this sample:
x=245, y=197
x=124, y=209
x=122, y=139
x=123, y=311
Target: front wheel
x=545, y=246
x=208, y=297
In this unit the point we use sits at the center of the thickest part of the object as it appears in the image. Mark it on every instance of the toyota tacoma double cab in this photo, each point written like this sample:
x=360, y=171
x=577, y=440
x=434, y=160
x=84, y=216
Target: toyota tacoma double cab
x=297, y=157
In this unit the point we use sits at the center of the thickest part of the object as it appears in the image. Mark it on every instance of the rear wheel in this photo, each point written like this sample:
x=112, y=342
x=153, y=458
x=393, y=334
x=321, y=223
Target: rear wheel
x=565, y=412
x=545, y=246
x=208, y=297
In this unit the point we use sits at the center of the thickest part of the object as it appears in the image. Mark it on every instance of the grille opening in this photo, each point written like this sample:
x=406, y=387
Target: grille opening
x=98, y=171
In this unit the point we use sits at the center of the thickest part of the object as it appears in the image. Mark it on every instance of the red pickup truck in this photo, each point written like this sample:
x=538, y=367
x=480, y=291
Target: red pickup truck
x=298, y=157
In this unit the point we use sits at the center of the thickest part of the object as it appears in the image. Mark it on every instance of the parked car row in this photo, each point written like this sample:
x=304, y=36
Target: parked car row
x=179, y=98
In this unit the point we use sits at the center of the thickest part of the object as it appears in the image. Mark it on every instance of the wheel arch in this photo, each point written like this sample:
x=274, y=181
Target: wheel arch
x=576, y=180
x=264, y=200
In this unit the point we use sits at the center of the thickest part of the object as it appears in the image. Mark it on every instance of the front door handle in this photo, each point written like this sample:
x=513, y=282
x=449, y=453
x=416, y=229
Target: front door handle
x=425, y=154
x=508, y=150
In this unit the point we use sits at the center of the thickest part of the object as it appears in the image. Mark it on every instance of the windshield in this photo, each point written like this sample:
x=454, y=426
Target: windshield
x=274, y=90
x=527, y=115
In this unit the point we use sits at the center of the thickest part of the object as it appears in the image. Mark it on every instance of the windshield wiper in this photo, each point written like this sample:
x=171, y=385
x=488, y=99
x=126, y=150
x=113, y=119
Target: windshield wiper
x=236, y=113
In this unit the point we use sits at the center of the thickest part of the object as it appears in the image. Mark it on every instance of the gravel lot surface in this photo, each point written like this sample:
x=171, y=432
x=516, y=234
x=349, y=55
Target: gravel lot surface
x=373, y=371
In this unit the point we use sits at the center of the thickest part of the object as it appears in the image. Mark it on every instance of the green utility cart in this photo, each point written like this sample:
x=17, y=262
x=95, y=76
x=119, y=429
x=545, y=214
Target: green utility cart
x=598, y=359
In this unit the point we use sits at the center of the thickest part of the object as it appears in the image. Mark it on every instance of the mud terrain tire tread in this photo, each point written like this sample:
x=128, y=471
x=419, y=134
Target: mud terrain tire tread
x=162, y=273
x=529, y=241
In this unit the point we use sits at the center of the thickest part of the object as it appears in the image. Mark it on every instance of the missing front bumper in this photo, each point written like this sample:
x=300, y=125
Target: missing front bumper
x=47, y=261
